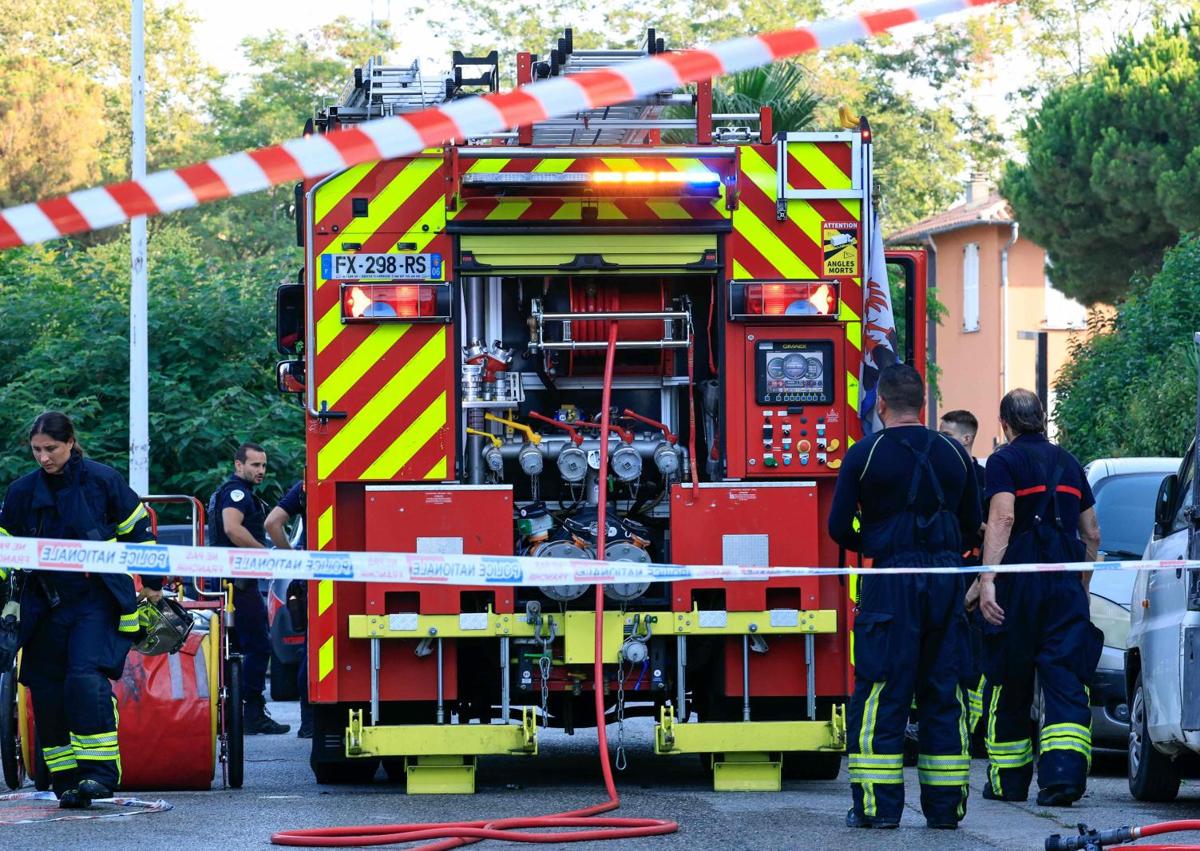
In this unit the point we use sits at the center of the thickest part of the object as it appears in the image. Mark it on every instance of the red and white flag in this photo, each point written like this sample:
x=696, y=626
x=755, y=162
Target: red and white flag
x=879, y=330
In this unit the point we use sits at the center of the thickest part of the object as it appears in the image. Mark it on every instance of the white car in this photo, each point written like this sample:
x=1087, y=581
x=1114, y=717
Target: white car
x=1125, y=489
x=1162, y=664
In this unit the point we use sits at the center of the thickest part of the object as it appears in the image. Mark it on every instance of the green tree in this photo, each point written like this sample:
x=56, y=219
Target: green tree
x=50, y=128
x=1142, y=364
x=211, y=356
x=290, y=78
x=1113, y=164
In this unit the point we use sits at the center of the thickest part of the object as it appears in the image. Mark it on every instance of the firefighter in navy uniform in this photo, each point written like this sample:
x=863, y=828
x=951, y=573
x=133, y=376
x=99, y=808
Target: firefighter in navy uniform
x=914, y=493
x=76, y=628
x=1041, y=510
x=236, y=518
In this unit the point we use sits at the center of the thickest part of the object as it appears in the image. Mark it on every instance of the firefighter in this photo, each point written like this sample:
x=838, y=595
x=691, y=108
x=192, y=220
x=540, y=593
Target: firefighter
x=962, y=426
x=76, y=628
x=1041, y=510
x=291, y=505
x=915, y=498
x=237, y=518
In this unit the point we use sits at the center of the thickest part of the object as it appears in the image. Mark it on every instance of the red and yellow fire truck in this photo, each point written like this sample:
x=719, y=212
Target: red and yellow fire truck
x=452, y=323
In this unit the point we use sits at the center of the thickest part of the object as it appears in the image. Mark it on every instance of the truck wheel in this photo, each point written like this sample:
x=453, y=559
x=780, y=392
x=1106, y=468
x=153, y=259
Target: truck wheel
x=1153, y=776
x=283, y=680
x=10, y=747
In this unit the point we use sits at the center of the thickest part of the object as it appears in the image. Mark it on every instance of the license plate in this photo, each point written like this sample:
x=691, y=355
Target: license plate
x=381, y=267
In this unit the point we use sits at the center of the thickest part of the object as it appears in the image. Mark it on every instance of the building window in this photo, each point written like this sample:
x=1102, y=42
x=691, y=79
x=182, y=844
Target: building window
x=970, y=281
x=1062, y=312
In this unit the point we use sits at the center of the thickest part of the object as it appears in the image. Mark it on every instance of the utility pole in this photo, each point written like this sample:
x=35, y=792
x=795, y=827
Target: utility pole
x=139, y=378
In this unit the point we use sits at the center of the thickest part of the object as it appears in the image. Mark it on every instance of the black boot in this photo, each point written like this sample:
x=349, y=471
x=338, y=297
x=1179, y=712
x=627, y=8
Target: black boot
x=306, y=724
x=258, y=721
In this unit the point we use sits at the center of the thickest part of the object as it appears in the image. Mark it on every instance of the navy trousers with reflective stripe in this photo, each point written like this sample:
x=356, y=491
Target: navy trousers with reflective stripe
x=1047, y=630
x=251, y=639
x=66, y=664
x=909, y=640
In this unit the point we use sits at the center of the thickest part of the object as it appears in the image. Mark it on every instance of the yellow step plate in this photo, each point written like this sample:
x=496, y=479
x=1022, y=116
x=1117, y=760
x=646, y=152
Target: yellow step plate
x=436, y=740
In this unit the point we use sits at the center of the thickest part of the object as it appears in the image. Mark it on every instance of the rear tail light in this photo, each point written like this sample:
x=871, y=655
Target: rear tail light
x=816, y=299
x=395, y=302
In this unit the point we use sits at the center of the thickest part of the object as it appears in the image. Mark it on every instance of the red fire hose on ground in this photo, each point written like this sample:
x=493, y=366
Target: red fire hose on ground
x=514, y=829
x=1094, y=840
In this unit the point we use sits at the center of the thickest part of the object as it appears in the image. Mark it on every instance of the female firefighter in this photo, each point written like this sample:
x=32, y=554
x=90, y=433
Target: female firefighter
x=76, y=627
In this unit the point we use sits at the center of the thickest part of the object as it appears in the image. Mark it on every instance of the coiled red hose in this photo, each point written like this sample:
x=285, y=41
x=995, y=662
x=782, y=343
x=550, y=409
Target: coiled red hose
x=455, y=834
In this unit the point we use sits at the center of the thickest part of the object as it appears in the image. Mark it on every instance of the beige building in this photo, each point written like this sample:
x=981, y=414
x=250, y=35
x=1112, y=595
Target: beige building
x=994, y=286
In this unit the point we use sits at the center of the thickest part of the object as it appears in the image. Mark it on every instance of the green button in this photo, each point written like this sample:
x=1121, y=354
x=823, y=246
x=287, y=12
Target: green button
x=769, y=461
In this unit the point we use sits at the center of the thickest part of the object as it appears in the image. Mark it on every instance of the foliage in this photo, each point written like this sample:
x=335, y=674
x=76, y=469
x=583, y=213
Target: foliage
x=1140, y=365
x=50, y=128
x=1113, y=172
x=211, y=358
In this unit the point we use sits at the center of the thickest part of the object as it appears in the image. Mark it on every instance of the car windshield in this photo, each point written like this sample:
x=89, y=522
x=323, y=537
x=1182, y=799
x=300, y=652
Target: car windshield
x=1125, y=509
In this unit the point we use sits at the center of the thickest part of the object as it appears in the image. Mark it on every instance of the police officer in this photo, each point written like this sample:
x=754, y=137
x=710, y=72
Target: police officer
x=236, y=519
x=962, y=425
x=914, y=494
x=1041, y=510
x=76, y=628
x=292, y=505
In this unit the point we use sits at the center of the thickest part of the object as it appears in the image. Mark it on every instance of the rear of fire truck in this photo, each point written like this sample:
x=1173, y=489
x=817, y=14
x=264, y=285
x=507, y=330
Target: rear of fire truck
x=453, y=321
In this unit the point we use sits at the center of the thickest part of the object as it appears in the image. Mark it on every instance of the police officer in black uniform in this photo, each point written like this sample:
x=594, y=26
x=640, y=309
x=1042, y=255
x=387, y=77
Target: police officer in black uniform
x=914, y=494
x=76, y=627
x=236, y=519
x=1041, y=510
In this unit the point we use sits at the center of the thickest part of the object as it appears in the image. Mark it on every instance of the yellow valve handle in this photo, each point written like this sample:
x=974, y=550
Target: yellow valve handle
x=493, y=438
x=834, y=463
x=834, y=445
x=530, y=435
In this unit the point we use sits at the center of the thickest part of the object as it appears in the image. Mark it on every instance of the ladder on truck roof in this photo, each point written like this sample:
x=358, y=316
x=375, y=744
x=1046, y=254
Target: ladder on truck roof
x=623, y=124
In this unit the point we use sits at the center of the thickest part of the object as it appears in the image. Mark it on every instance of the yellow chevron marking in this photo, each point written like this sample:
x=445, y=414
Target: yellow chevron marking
x=325, y=528
x=553, y=166
x=488, y=166
x=569, y=210
x=325, y=660
x=389, y=199
x=509, y=210
x=365, y=355
x=324, y=595
x=438, y=471
x=359, y=427
x=774, y=249
x=851, y=397
x=854, y=334
x=761, y=173
x=739, y=271
x=333, y=192
x=853, y=207
x=845, y=314
x=820, y=166
x=608, y=210
x=622, y=164
x=668, y=209
x=329, y=326
x=423, y=429
x=435, y=217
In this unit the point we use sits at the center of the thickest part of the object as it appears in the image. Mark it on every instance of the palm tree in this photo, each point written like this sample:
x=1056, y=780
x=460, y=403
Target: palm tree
x=783, y=86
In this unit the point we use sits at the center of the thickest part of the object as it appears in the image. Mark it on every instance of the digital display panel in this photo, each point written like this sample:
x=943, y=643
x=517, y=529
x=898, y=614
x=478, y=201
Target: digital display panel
x=794, y=372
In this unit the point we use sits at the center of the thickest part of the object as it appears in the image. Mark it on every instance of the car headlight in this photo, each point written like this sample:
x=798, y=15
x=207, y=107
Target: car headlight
x=1111, y=619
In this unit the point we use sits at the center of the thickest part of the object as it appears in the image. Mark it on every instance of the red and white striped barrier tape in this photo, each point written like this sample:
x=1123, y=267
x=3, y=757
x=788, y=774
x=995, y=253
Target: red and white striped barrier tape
x=441, y=568
x=400, y=136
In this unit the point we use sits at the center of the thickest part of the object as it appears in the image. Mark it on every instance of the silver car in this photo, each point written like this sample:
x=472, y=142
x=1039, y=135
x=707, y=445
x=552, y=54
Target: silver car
x=1125, y=491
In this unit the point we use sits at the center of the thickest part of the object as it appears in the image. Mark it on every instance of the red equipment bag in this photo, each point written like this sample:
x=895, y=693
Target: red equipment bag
x=167, y=729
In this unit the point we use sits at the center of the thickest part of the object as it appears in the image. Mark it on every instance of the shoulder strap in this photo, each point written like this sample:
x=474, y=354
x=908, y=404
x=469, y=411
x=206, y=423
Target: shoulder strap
x=1050, y=497
x=922, y=466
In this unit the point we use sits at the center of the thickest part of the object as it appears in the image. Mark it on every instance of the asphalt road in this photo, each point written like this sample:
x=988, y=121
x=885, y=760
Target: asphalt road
x=280, y=793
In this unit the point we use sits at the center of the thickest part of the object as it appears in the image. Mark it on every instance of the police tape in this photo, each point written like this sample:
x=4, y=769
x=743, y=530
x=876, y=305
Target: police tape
x=404, y=135
x=437, y=568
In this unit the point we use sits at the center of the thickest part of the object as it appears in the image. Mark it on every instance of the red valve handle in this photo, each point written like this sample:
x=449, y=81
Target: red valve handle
x=572, y=433
x=625, y=434
x=630, y=415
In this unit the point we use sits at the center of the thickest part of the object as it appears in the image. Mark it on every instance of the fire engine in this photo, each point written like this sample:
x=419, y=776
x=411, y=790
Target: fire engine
x=449, y=332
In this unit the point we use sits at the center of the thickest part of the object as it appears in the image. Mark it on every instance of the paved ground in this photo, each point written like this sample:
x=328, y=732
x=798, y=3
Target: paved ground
x=280, y=793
